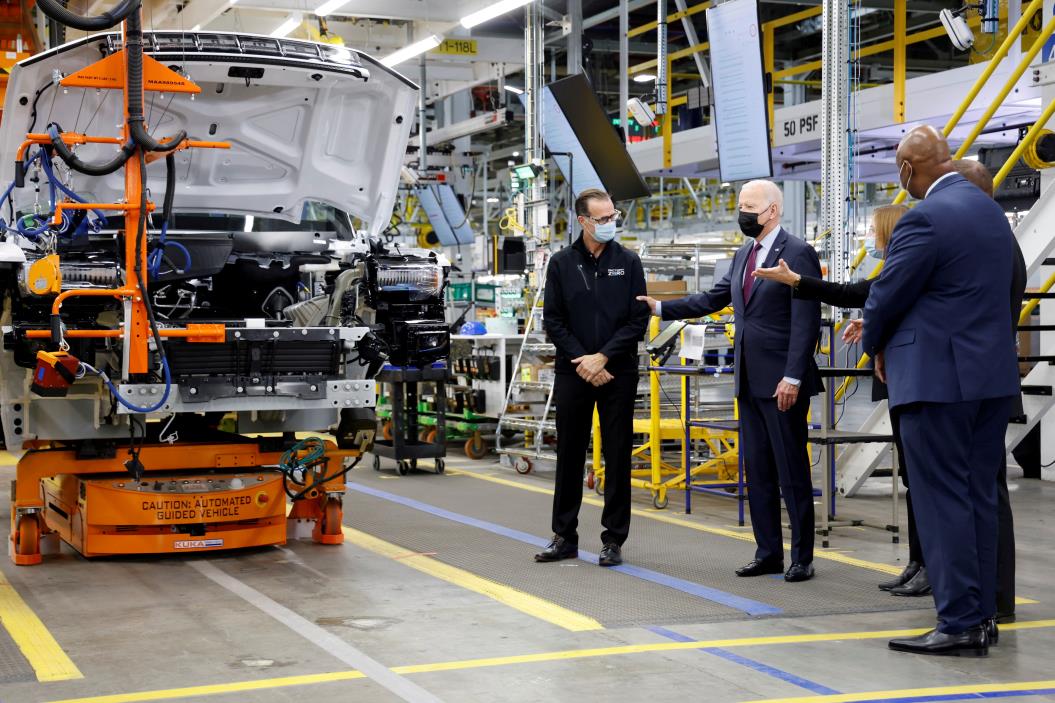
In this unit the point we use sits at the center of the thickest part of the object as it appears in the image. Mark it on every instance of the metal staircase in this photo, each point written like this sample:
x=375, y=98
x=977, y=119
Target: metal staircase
x=528, y=410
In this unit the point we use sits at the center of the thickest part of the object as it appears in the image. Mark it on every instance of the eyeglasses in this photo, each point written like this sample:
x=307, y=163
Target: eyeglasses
x=617, y=215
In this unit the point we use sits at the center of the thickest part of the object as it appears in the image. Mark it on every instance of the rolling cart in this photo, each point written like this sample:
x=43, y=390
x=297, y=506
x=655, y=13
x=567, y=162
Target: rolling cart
x=405, y=447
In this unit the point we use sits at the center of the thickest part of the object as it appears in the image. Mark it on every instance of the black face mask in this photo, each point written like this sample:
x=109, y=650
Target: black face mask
x=749, y=223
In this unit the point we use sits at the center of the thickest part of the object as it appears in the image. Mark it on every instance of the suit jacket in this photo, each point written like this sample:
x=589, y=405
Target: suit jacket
x=940, y=307
x=776, y=335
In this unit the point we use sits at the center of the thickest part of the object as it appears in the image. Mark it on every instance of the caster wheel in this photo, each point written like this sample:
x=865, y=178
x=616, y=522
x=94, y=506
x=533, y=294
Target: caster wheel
x=476, y=447
x=599, y=487
x=377, y=463
x=413, y=464
x=28, y=536
x=386, y=430
x=441, y=466
x=657, y=503
x=590, y=480
x=523, y=466
x=332, y=516
x=403, y=468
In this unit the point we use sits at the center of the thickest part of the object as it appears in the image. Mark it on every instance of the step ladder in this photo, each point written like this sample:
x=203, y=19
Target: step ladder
x=537, y=422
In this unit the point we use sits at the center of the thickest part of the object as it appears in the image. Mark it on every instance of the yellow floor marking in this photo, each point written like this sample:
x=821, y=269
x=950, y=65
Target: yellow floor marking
x=214, y=689
x=524, y=602
x=671, y=520
x=39, y=648
x=914, y=692
x=572, y=654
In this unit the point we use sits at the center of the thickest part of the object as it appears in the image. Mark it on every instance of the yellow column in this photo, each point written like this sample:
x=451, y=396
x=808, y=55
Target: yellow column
x=900, y=31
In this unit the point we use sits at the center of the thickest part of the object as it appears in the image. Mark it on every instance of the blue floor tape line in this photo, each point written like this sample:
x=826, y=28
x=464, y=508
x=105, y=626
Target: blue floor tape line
x=750, y=663
x=746, y=605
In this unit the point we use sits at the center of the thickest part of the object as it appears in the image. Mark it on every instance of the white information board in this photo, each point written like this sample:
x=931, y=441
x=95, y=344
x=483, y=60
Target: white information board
x=741, y=116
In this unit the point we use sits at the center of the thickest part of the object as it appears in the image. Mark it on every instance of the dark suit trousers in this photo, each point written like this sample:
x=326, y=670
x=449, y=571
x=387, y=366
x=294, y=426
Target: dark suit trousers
x=575, y=399
x=956, y=451
x=915, y=550
x=1005, y=548
x=775, y=460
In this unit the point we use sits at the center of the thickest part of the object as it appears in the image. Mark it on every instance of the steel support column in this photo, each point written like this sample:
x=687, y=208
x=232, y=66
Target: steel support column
x=624, y=67
x=835, y=148
x=575, y=37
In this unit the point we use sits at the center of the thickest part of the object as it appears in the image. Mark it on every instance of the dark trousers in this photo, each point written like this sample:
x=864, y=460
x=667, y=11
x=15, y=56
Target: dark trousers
x=956, y=451
x=915, y=550
x=575, y=400
x=1005, y=548
x=776, y=462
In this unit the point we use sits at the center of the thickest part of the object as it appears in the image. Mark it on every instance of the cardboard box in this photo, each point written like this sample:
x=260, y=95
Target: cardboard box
x=667, y=290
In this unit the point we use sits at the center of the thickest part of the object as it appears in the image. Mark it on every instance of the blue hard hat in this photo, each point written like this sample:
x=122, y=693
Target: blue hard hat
x=473, y=328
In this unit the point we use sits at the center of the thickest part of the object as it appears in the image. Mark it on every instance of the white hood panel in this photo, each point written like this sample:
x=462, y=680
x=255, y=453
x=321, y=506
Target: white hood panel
x=309, y=129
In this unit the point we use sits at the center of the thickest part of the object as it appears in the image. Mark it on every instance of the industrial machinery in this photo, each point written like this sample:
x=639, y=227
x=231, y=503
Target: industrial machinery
x=156, y=365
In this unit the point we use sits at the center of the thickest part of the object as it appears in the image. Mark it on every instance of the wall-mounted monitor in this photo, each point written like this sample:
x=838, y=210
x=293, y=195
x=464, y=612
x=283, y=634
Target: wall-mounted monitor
x=446, y=214
x=741, y=114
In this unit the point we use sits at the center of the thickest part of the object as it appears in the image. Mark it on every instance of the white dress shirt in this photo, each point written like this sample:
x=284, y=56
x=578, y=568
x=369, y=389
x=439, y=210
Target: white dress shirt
x=940, y=179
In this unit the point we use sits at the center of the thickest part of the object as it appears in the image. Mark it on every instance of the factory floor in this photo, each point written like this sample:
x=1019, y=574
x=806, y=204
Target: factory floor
x=434, y=596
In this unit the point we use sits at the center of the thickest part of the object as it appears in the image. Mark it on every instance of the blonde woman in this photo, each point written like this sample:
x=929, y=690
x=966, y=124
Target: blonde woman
x=913, y=580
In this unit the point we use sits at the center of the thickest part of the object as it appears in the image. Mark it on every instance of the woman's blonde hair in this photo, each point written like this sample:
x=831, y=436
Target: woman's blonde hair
x=884, y=219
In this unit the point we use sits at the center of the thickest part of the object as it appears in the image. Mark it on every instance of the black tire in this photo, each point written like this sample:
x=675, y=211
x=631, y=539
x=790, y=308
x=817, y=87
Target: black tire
x=658, y=504
x=377, y=463
x=440, y=466
x=403, y=468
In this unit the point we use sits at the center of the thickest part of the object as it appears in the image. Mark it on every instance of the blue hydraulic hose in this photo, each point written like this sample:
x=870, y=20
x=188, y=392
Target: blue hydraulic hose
x=135, y=408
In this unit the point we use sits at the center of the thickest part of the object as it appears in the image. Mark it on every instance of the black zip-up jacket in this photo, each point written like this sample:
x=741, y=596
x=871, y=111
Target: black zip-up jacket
x=590, y=306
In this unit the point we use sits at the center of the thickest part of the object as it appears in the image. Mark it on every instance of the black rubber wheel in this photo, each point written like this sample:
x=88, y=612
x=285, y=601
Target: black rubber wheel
x=440, y=466
x=403, y=468
x=598, y=487
x=659, y=504
x=377, y=463
x=413, y=464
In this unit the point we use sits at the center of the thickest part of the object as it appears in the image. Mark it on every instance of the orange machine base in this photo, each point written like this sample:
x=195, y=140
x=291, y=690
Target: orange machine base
x=165, y=514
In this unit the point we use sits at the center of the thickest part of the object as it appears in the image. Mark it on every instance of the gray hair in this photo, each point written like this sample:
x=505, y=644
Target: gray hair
x=771, y=191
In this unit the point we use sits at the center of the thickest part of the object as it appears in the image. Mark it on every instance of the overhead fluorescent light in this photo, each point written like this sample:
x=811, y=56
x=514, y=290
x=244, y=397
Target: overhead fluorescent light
x=329, y=7
x=409, y=52
x=644, y=78
x=492, y=200
x=492, y=11
x=513, y=89
x=290, y=23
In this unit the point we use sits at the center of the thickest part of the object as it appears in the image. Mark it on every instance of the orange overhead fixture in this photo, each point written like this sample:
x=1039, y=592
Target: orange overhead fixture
x=110, y=73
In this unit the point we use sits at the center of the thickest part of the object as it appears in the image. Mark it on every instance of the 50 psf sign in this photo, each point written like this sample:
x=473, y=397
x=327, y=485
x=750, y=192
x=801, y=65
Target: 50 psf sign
x=804, y=125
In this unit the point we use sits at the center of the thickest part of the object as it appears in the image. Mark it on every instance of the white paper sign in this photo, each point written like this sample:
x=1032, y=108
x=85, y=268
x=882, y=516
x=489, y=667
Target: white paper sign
x=692, y=342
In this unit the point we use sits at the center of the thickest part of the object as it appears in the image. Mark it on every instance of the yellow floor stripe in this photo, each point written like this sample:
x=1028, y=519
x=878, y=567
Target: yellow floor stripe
x=914, y=692
x=38, y=646
x=214, y=689
x=524, y=602
x=572, y=654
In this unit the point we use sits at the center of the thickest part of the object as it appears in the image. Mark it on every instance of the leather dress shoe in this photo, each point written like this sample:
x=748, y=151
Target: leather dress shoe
x=559, y=548
x=992, y=631
x=971, y=643
x=918, y=585
x=799, y=572
x=610, y=556
x=759, y=567
x=904, y=577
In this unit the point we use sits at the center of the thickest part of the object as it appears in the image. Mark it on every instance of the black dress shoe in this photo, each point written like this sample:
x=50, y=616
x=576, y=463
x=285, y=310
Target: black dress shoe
x=610, y=556
x=972, y=643
x=758, y=567
x=992, y=632
x=799, y=572
x=558, y=549
x=904, y=577
x=918, y=585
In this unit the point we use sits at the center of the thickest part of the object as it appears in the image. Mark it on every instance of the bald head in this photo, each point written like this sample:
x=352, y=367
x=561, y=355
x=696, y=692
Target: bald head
x=976, y=173
x=922, y=157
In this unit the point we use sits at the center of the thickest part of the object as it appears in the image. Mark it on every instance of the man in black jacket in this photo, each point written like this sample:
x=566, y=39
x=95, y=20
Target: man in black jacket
x=594, y=320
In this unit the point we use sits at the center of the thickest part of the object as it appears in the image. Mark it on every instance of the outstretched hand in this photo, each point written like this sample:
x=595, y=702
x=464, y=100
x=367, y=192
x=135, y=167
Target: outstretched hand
x=779, y=273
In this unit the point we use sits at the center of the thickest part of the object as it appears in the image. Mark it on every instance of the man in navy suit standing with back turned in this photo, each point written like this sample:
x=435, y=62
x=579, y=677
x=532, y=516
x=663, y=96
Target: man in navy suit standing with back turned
x=936, y=322
x=776, y=375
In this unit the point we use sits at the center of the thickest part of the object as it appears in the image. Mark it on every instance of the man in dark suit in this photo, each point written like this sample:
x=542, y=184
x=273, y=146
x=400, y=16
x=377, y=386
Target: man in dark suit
x=776, y=375
x=937, y=323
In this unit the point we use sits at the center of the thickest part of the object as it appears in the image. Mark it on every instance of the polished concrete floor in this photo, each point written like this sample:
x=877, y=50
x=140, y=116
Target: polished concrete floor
x=434, y=596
